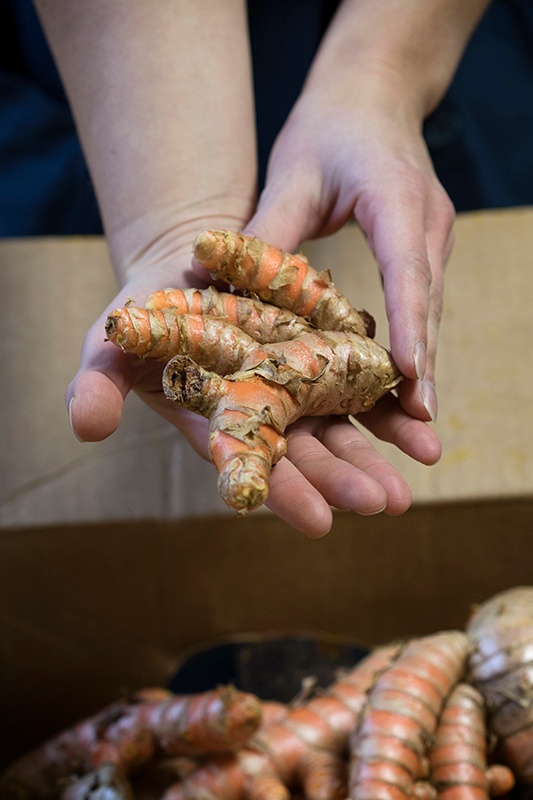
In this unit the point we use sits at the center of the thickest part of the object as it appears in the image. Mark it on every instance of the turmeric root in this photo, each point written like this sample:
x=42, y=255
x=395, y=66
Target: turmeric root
x=501, y=668
x=215, y=341
x=130, y=732
x=404, y=723
x=305, y=749
x=162, y=334
x=458, y=756
x=262, y=321
x=389, y=744
x=279, y=278
x=317, y=374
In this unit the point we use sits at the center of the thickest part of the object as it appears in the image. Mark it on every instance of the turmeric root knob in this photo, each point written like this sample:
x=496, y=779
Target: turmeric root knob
x=244, y=482
x=243, y=446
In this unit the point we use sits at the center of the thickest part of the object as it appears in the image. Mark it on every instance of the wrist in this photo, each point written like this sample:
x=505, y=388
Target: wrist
x=411, y=47
x=160, y=242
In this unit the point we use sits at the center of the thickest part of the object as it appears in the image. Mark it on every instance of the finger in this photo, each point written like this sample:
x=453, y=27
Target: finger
x=407, y=221
x=340, y=483
x=291, y=496
x=344, y=440
x=95, y=396
x=343, y=483
x=389, y=422
x=286, y=215
x=193, y=426
x=95, y=405
x=396, y=234
x=410, y=231
x=296, y=502
x=419, y=398
x=440, y=241
x=343, y=470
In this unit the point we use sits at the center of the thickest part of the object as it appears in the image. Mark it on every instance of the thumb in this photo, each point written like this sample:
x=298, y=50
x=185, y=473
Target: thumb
x=95, y=396
x=94, y=404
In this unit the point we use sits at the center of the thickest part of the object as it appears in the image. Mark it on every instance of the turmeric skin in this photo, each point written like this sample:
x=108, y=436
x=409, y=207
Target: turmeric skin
x=280, y=278
x=214, y=328
x=107, y=782
x=162, y=334
x=501, y=668
x=253, y=367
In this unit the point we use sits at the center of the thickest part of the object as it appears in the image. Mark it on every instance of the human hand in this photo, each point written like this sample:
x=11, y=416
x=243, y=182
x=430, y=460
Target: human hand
x=328, y=462
x=335, y=160
x=345, y=153
x=352, y=147
x=95, y=397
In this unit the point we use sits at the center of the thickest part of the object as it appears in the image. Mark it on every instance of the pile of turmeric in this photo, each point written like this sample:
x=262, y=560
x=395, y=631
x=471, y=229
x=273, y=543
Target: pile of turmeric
x=129, y=733
x=404, y=723
x=290, y=346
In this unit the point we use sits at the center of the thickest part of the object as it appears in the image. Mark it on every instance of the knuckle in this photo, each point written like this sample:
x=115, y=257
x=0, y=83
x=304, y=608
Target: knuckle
x=437, y=300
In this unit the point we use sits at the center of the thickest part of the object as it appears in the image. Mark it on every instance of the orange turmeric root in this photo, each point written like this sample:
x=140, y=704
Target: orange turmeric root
x=262, y=321
x=298, y=371
x=217, y=341
x=458, y=757
x=129, y=733
x=163, y=334
x=323, y=373
x=389, y=745
x=305, y=749
x=283, y=279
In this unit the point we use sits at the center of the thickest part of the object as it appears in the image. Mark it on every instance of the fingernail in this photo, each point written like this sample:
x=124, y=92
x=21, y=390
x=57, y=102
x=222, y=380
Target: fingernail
x=372, y=513
x=70, y=419
x=420, y=360
x=430, y=399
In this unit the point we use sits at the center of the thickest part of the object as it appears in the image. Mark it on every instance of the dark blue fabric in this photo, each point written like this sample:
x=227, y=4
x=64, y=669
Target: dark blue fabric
x=45, y=187
x=44, y=184
x=284, y=40
x=480, y=137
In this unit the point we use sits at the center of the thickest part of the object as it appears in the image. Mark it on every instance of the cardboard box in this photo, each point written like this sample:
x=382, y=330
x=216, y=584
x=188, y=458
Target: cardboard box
x=117, y=557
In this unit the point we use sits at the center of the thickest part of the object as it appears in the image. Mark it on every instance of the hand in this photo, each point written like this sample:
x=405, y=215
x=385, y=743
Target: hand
x=96, y=395
x=329, y=461
x=367, y=159
x=363, y=155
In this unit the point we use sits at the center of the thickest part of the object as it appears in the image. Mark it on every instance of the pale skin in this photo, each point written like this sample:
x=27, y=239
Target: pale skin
x=162, y=95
